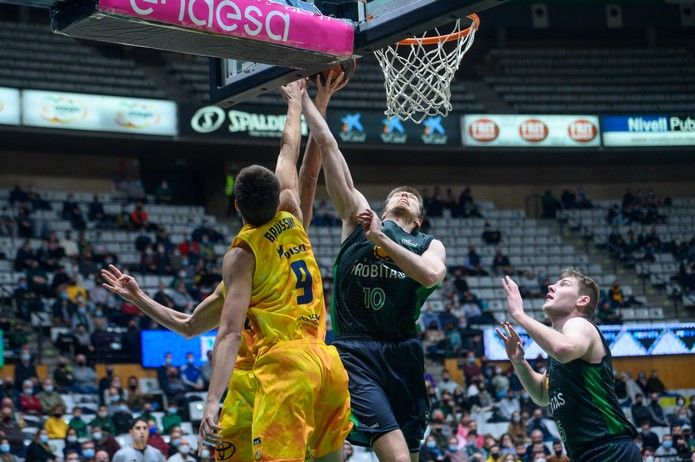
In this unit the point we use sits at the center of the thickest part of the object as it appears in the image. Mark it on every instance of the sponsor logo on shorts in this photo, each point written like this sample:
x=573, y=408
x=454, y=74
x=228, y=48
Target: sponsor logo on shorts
x=225, y=450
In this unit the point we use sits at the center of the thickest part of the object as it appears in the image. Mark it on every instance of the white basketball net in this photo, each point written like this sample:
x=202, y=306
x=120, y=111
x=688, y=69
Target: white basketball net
x=418, y=82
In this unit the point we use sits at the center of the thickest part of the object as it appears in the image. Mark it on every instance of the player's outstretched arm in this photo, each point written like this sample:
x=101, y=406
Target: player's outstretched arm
x=346, y=199
x=535, y=384
x=205, y=316
x=239, y=262
x=286, y=167
x=429, y=269
x=572, y=342
x=311, y=163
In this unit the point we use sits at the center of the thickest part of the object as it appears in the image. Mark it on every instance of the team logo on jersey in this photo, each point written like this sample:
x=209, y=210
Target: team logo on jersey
x=257, y=450
x=434, y=132
x=393, y=131
x=225, y=450
x=381, y=254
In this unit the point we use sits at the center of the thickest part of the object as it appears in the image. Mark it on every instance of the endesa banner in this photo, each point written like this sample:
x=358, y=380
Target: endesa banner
x=9, y=106
x=546, y=131
x=374, y=128
x=76, y=111
x=648, y=130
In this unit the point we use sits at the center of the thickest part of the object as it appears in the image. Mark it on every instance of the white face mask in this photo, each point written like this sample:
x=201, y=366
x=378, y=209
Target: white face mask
x=184, y=449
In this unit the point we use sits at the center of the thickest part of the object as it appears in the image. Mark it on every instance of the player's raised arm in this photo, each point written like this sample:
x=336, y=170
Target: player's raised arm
x=311, y=163
x=205, y=316
x=237, y=272
x=286, y=166
x=535, y=383
x=347, y=200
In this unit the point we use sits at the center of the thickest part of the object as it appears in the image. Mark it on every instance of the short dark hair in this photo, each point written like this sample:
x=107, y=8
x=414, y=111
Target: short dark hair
x=135, y=421
x=257, y=191
x=587, y=286
x=411, y=190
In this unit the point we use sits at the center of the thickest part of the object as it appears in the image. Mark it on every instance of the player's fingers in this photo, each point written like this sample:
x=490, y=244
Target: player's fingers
x=115, y=271
x=109, y=287
x=501, y=334
x=108, y=277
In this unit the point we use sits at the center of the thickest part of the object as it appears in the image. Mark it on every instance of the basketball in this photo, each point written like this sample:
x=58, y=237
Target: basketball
x=348, y=67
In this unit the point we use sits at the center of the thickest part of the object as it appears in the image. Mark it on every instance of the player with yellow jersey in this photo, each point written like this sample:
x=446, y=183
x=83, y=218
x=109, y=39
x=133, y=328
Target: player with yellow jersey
x=302, y=402
x=237, y=410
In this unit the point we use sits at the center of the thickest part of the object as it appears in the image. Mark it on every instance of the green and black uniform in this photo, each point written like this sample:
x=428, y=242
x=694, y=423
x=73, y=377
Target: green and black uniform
x=587, y=413
x=374, y=310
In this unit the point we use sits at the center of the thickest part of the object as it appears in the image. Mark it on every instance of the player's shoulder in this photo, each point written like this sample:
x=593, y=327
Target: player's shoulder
x=580, y=325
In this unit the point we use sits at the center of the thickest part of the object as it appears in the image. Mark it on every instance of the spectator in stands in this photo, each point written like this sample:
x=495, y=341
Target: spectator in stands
x=139, y=449
x=121, y=417
x=84, y=377
x=501, y=264
x=470, y=367
x=27, y=301
x=500, y=383
x=104, y=441
x=649, y=438
x=136, y=191
x=68, y=205
x=454, y=451
x=8, y=226
x=191, y=374
x=96, y=210
x=28, y=403
x=74, y=456
x=5, y=448
x=447, y=383
x=48, y=397
x=9, y=429
x=183, y=453
x=608, y=314
x=63, y=375
x=134, y=398
x=48, y=255
x=615, y=295
x=101, y=338
x=101, y=456
x=55, y=425
x=77, y=423
x=583, y=201
x=76, y=218
x=508, y=407
x=182, y=299
x=172, y=418
x=490, y=235
x=17, y=195
x=155, y=440
x=558, y=455
x=656, y=411
x=103, y=421
x=472, y=262
x=666, y=449
x=640, y=412
x=430, y=451
x=471, y=308
x=25, y=257
x=163, y=370
x=536, y=423
x=654, y=383
x=39, y=450
x=568, y=199
x=536, y=444
x=550, y=204
x=642, y=381
x=163, y=194
x=82, y=342
x=139, y=219
x=528, y=285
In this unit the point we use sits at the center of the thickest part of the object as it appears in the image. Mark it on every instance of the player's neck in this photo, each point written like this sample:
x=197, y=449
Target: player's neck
x=407, y=225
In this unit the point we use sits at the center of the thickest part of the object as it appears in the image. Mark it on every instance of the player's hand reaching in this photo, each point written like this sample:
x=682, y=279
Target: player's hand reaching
x=120, y=284
x=371, y=223
x=515, y=304
x=325, y=90
x=209, y=431
x=293, y=91
x=512, y=342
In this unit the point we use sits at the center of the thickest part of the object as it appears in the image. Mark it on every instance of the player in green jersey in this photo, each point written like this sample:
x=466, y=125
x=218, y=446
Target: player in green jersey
x=383, y=273
x=578, y=386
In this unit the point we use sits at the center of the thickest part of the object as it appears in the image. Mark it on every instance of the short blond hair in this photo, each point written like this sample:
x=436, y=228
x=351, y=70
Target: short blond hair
x=587, y=286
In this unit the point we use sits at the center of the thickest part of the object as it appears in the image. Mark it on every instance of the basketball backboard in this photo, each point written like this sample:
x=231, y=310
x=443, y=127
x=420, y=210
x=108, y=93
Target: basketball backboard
x=377, y=23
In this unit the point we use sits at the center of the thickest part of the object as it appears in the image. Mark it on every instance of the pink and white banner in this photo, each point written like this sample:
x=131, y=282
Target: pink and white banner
x=261, y=20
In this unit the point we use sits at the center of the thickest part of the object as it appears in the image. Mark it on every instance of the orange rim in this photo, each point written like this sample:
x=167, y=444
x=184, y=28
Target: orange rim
x=444, y=38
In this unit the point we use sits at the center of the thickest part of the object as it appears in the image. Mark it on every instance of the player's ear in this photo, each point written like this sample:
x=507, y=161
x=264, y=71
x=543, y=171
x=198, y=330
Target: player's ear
x=583, y=303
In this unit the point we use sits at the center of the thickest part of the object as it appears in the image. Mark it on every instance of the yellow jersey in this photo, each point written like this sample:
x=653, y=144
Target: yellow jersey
x=287, y=294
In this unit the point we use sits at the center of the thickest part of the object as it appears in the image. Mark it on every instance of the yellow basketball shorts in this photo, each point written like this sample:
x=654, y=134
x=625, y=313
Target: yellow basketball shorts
x=302, y=405
x=236, y=418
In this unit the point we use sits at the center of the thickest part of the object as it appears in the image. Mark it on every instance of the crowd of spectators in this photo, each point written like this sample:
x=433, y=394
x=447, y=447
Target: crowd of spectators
x=492, y=394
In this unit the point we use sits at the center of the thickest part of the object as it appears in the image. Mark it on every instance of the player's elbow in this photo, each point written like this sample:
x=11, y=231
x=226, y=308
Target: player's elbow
x=324, y=138
x=434, y=276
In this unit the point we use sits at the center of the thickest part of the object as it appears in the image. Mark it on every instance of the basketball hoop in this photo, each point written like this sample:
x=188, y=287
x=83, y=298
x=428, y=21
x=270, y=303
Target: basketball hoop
x=418, y=82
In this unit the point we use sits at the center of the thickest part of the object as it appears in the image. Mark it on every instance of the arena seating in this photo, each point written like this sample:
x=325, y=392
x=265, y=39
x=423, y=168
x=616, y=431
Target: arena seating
x=592, y=80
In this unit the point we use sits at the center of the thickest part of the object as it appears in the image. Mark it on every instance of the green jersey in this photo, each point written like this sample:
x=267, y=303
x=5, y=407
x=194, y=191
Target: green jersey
x=584, y=404
x=372, y=297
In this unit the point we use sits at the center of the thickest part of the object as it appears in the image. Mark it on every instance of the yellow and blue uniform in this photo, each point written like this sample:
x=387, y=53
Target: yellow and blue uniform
x=302, y=403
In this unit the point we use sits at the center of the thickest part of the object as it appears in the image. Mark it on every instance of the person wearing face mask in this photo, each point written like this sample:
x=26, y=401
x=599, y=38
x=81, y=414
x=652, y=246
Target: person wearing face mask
x=447, y=383
x=48, y=397
x=5, y=454
x=77, y=423
x=191, y=375
x=105, y=441
x=517, y=427
x=24, y=369
x=172, y=417
x=174, y=440
x=122, y=417
x=558, y=456
x=39, y=449
x=431, y=450
x=666, y=450
x=28, y=402
x=71, y=443
x=470, y=368
x=493, y=454
x=84, y=377
x=10, y=430
x=139, y=450
x=155, y=439
x=454, y=451
x=508, y=405
x=183, y=453
x=104, y=421
x=55, y=425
